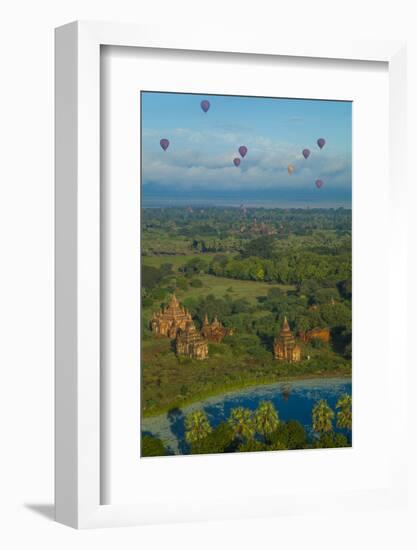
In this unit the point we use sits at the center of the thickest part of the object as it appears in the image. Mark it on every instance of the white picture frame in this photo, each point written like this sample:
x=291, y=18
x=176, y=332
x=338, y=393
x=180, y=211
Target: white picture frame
x=78, y=501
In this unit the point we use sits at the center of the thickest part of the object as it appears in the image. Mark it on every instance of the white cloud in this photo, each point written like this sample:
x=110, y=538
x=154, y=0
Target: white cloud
x=204, y=160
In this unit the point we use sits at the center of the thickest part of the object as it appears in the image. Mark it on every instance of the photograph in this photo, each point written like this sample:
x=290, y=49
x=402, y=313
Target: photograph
x=246, y=273
x=208, y=266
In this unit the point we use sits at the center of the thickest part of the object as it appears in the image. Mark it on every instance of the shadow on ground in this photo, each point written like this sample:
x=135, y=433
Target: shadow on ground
x=45, y=510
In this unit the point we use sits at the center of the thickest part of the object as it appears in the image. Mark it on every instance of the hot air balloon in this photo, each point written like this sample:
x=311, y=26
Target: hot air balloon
x=243, y=150
x=290, y=168
x=319, y=183
x=321, y=142
x=205, y=105
x=236, y=161
x=164, y=143
x=306, y=153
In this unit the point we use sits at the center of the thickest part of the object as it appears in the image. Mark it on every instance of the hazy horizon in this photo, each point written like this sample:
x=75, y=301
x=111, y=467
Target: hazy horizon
x=278, y=205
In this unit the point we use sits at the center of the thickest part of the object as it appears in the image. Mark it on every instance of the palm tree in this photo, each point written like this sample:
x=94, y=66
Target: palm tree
x=197, y=427
x=266, y=419
x=242, y=423
x=322, y=417
x=344, y=414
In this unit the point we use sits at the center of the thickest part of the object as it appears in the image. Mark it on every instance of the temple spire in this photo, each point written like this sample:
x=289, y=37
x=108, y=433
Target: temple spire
x=285, y=346
x=174, y=301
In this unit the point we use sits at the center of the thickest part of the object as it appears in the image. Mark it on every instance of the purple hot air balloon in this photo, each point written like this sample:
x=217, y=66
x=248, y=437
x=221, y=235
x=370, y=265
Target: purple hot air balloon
x=205, y=105
x=306, y=153
x=319, y=183
x=236, y=161
x=321, y=142
x=243, y=150
x=164, y=143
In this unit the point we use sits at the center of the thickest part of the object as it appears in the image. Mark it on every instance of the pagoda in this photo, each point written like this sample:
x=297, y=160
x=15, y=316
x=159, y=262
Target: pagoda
x=214, y=331
x=169, y=320
x=285, y=346
x=190, y=343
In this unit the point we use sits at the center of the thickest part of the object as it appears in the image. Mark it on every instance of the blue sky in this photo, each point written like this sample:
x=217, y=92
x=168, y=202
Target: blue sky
x=198, y=165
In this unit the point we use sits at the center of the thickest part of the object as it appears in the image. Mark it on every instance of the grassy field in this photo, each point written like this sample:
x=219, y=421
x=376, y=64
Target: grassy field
x=218, y=286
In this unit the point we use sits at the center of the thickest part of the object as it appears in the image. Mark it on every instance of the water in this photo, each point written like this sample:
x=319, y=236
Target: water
x=293, y=400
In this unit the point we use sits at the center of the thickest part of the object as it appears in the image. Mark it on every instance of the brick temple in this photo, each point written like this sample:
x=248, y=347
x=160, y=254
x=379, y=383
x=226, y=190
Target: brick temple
x=168, y=321
x=322, y=334
x=215, y=331
x=285, y=346
x=190, y=343
x=175, y=322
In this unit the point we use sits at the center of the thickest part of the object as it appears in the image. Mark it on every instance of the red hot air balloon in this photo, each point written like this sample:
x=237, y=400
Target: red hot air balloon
x=319, y=183
x=205, y=105
x=236, y=161
x=164, y=143
x=306, y=153
x=321, y=142
x=243, y=150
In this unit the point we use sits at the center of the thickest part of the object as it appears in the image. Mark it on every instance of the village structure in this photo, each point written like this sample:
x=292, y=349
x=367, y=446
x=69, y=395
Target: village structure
x=285, y=346
x=175, y=322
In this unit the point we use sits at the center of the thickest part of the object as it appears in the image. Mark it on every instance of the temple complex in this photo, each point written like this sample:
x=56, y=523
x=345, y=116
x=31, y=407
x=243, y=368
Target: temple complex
x=190, y=343
x=285, y=346
x=168, y=321
x=215, y=331
x=175, y=322
x=322, y=334
x=261, y=228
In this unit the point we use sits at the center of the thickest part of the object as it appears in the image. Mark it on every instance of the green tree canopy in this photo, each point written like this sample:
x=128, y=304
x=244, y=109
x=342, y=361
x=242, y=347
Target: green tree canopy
x=242, y=423
x=266, y=419
x=344, y=414
x=262, y=247
x=197, y=427
x=322, y=417
x=220, y=440
x=152, y=446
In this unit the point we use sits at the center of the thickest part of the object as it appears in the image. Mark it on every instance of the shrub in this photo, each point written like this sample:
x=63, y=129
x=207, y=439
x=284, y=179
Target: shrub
x=252, y=445
x=258, y=352
x=290, y=434
x=158, y=294
x=220, y=440
x=331, y=440
x=182, y=283
x=147, y=302
x=217, y=349
x=152, y=446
